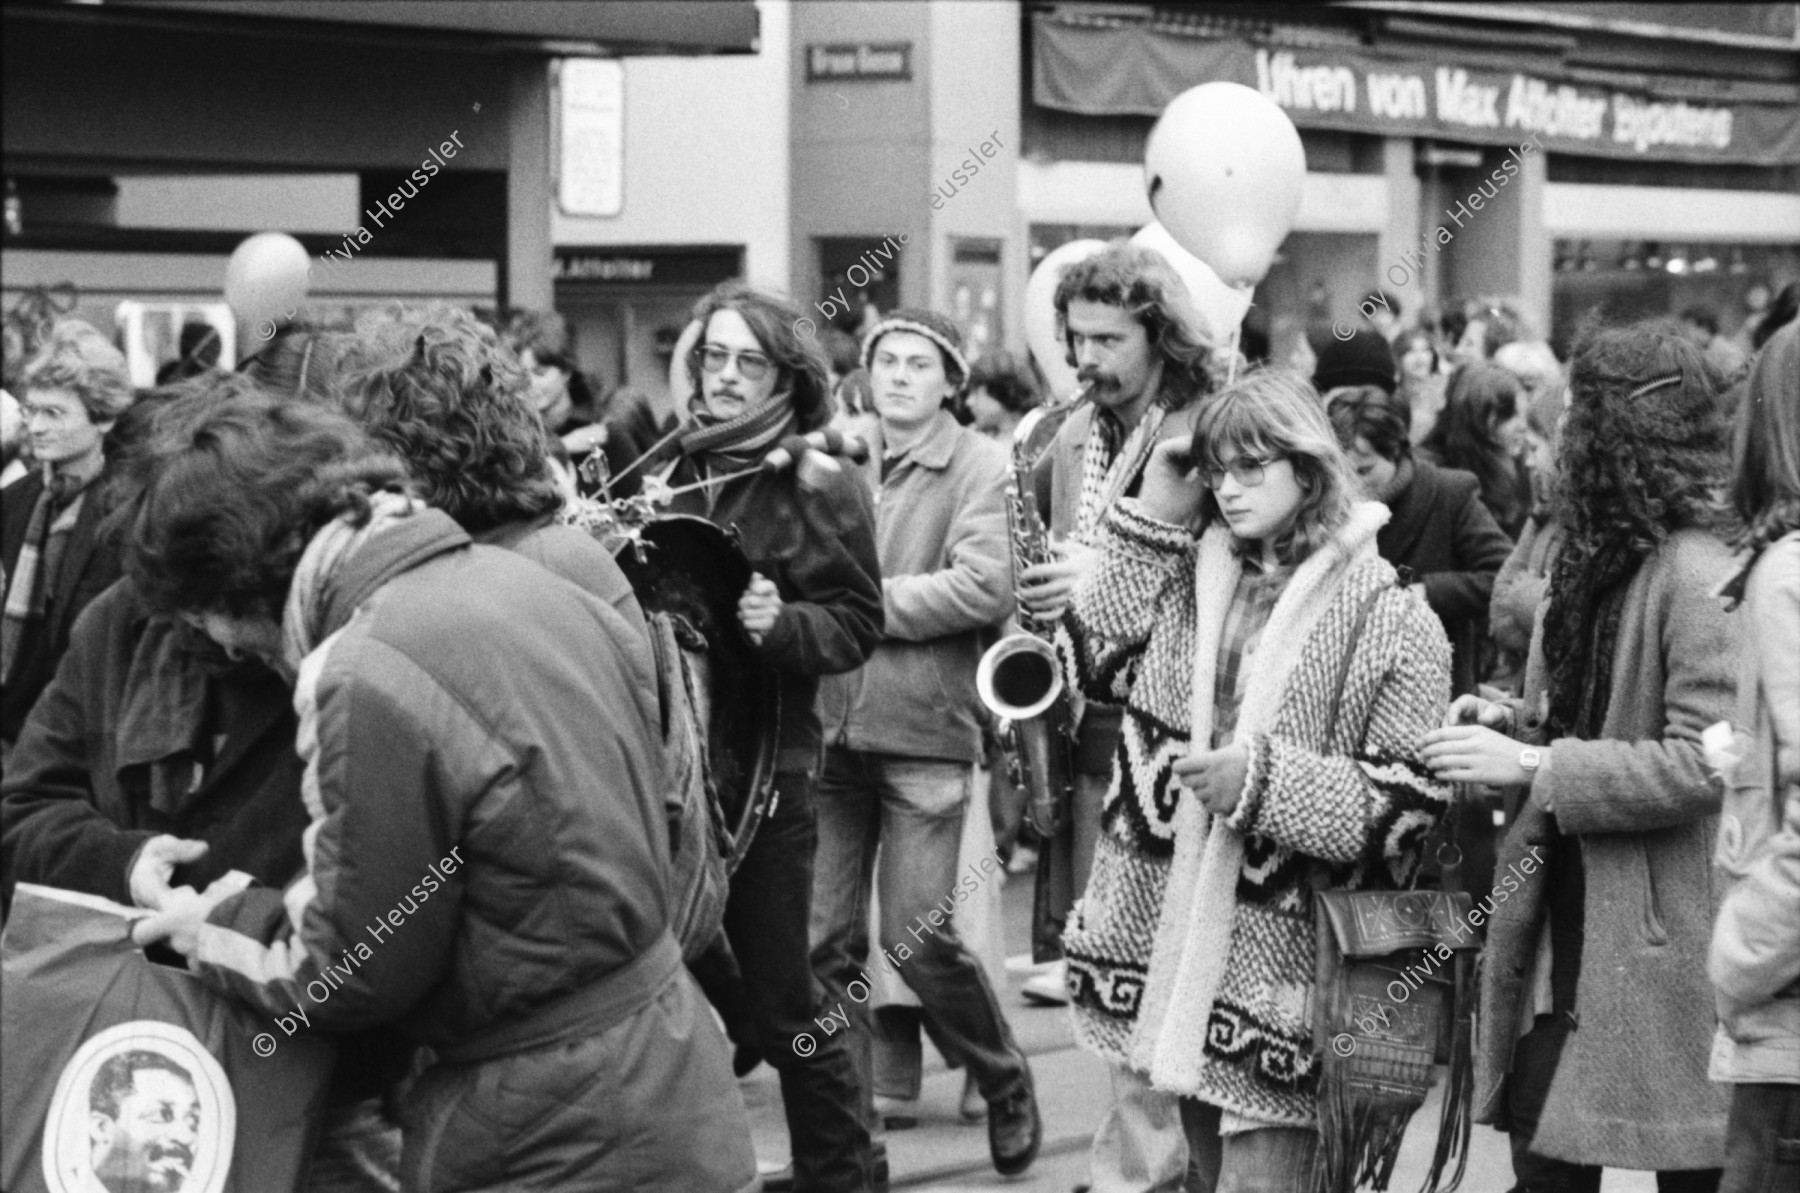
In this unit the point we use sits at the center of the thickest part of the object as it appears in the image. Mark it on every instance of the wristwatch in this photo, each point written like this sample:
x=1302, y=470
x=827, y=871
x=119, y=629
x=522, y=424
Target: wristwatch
x=1530, y=758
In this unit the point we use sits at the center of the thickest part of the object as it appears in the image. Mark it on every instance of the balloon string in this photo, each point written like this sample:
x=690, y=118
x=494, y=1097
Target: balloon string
x=1231, y=365
x=648, y=452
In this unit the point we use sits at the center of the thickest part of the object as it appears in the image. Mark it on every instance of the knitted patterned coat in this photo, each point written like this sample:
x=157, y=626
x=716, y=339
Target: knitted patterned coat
x=1320, y=790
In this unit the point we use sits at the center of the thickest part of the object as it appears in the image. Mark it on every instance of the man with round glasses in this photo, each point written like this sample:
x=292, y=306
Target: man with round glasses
x=812, y=608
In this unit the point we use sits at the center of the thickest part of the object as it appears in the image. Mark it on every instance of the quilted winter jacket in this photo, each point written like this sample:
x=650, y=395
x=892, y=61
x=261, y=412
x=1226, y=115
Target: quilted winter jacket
x=486, y=871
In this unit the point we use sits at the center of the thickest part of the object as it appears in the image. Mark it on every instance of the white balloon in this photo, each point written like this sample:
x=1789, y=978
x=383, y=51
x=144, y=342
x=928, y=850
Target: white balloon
x=681, y=382
x=1047, y=347
x=1224, y=168
x=1221, y=308
x=266, y=280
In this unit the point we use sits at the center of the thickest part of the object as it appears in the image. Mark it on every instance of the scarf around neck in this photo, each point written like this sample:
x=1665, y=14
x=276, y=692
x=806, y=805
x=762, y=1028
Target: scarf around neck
x=1110, y=460
x=732, y=445
x=1581, y=630
x=303, y=619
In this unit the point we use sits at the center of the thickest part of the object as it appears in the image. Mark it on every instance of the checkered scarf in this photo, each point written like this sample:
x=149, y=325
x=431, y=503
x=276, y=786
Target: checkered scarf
x=27, y=596
x=1109, y=466
x=1245, y=621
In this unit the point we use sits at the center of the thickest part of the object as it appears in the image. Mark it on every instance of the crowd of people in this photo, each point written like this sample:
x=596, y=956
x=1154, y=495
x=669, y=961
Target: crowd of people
x=284, y=641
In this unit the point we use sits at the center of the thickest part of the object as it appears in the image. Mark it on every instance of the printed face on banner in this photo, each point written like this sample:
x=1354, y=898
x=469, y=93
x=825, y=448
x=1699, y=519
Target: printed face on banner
x=141, y=1108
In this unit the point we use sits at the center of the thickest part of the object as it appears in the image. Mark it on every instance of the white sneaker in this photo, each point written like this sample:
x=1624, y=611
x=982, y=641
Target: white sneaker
x=1048, y=988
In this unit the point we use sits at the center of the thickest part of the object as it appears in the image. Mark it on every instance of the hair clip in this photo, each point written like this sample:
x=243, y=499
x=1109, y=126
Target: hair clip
x=1649, y=386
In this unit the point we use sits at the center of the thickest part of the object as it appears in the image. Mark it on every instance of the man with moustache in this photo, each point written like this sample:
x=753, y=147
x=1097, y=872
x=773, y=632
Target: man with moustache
x=1135, y=340
x=813, y=608
x=143, y=1123
x=902, y=733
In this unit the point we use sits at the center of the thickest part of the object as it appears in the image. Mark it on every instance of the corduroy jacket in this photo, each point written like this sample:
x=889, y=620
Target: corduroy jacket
x=946, y=577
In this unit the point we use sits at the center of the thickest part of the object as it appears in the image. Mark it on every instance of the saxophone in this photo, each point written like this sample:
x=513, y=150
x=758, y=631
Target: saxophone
x=1020, y=679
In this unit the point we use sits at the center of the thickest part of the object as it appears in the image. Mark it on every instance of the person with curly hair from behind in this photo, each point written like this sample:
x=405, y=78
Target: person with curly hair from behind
x=438, y=389
x=1597, y=1058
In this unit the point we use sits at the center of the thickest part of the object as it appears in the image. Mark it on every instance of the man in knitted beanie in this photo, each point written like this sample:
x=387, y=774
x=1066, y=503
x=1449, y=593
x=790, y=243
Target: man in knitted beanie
x=903, y=739
x=1363, y=359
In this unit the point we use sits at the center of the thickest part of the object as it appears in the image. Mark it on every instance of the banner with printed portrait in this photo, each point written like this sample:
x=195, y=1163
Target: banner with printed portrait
x=123, y=1074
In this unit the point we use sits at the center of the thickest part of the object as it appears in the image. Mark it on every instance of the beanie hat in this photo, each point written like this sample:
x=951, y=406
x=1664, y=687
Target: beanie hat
x=1363, y=359
x=929, y=324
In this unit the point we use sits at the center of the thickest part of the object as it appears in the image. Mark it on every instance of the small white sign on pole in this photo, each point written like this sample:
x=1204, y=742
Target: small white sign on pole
x=591, y=154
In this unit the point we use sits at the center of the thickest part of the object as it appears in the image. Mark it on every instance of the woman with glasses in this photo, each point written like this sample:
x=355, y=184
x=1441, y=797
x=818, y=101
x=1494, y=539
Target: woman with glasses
x=1266, y=738
x=813, y=608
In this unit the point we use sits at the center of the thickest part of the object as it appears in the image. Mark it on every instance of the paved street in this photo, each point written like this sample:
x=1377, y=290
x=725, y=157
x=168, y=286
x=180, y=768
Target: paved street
x=945, y=1155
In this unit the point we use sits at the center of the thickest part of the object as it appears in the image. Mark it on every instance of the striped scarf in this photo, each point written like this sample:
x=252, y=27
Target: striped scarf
x=27, y=596
x=302, y=620
x=732, y=445
x=1108, y=468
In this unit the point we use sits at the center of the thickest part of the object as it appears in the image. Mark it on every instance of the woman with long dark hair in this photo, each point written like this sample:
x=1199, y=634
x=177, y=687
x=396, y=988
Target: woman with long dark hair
x=1756, y=944
x=1632, y=661
x=1421, y=384
x=1481, y=430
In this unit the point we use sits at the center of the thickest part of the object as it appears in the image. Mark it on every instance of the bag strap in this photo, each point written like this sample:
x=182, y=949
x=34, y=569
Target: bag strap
x=1366, y=607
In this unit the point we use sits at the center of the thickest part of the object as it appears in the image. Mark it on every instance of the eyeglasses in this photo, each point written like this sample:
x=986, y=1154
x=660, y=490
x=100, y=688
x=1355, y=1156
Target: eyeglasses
x=1245, y=470
x=753, y=365
x=56, y=416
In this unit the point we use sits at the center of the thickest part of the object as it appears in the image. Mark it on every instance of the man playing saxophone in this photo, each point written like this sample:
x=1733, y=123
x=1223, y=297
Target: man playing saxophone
x=1135, y=340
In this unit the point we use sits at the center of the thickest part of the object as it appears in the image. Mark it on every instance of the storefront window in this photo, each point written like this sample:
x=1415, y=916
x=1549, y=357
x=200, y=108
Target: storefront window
x=1635, y=279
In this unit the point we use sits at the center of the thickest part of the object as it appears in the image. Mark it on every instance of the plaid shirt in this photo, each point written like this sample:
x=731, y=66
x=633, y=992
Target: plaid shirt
x=1251, y=603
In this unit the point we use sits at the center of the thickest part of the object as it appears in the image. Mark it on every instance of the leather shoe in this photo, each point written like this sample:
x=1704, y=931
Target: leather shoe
x=1014, y=1129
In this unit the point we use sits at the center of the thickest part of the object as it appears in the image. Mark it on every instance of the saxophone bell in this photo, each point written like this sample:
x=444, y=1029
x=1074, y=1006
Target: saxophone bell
x=1019, y=677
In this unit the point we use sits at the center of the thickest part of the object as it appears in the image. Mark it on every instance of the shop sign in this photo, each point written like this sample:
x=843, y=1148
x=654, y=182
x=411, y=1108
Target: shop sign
x=866, y=61
x=634, y=266
x=1133, y=69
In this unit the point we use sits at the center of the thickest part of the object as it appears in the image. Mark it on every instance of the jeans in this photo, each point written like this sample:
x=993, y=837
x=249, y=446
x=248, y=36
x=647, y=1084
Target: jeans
x=1139, y=1146
x=1535, y=1058
x=1266, y=1160
x=766, y=916
x=914, y=809
x=1762, y=1140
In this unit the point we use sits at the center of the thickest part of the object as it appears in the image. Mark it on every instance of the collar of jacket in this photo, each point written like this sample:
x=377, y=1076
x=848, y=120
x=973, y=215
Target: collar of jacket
x=406, y=544
x=932, y=449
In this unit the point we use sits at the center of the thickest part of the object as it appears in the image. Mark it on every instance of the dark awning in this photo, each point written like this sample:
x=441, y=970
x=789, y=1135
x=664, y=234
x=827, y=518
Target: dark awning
x=1122, y=67
x=619, y=27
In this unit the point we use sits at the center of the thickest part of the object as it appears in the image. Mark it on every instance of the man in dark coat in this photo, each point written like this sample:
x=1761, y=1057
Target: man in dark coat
x=812, y=608
x=1439, y=529
x=54, y=557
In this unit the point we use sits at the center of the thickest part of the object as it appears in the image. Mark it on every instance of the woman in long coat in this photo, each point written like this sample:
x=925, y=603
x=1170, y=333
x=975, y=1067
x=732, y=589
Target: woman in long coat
x=1599, y=1058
